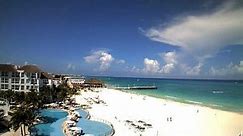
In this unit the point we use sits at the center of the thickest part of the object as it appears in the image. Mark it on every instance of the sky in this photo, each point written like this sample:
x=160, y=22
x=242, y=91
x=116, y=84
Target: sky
x=138, y=38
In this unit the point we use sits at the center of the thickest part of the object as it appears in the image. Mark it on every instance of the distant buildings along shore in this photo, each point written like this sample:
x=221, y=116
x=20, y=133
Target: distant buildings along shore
x=30, y=77
x=24, y=78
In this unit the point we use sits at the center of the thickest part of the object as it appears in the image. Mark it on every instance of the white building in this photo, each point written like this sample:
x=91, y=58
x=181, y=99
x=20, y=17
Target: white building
x=46, y=79
x=74, y=79
x=18, y=78
x=57, y=80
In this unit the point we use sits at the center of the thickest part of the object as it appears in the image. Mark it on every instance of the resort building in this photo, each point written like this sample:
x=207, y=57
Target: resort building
x=20, y=78
x=57, y=80
x=74, y=79
x=94, y=83
x=46, y=79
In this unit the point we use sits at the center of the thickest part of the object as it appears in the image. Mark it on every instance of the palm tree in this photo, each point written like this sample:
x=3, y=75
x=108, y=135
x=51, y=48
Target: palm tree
x=47, y=93
x=8, y=95
x=1, y=119
x=1, y=114
x=17, y=120
x=30, y=118
x=22, y=117
x=19, y=97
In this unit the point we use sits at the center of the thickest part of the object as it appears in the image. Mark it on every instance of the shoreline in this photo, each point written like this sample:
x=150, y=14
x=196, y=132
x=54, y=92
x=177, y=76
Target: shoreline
x=183, y=101
x=167, y=117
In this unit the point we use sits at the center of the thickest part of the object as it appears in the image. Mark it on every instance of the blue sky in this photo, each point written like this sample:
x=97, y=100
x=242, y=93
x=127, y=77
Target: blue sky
x=145, y=38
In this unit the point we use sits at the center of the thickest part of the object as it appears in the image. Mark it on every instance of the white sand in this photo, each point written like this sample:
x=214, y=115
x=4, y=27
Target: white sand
x=187, y=120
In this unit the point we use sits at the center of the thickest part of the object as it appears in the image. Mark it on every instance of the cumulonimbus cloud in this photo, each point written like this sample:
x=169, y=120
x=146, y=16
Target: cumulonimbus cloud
x=205, y=34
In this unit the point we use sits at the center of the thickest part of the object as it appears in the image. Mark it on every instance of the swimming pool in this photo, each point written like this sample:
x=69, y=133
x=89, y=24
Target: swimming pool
x=93, y=127
x=55, y=118
x=53, y=123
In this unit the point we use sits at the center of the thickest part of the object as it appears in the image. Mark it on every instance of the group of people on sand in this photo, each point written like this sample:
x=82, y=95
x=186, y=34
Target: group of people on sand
x=139, y=125
x=169, y=119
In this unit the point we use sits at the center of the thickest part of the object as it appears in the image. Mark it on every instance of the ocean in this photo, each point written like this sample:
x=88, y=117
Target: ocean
x=221, y=94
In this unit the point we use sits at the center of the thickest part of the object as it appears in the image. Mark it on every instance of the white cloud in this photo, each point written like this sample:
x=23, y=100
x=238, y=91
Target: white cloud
x=26, y=63
x=102, y=57
x=240, y=67
x=121, y=61
x=105, y=61
x=205, y=34
x=71, y=66
x=192, y=71
x=230, y=69
x=170, y=59
x=134, y=69
x=151, y=66
x=167, y=68
x=94, y=57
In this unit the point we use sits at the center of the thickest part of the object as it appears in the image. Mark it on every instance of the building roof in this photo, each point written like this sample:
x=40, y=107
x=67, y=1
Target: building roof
x=93, y=81
x=45, y=75
x=7, y=68
x=30, y=69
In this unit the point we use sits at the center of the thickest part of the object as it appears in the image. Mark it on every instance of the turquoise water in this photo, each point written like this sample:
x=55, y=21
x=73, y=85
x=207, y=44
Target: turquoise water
x=55, y=119
x=221, y=94
x=93, y=127
x=53, y=126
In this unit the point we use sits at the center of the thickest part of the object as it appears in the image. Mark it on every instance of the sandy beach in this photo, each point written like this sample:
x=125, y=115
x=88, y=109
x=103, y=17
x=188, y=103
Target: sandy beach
x=130, y=114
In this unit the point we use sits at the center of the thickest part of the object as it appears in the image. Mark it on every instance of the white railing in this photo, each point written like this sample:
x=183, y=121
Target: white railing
x=110, y=133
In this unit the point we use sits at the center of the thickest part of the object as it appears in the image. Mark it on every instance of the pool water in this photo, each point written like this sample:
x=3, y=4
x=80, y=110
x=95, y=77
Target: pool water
x=93, y=127
x=53, y=126
x=54, y=119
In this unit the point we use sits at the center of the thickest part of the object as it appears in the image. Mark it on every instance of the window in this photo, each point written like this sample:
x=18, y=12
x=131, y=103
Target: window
x=12, y=87
x=15, y=87
x=33, y=75
x=15, y=74
x=22, y=81
x=4, y=74
x=27, y=80
x=22, y=87
x=22, y=74
x=33, y=81
x=45, y=81
x=15, y=80
x=4, y=80
x=4, y=86
x=28, y=74
x=27, y=87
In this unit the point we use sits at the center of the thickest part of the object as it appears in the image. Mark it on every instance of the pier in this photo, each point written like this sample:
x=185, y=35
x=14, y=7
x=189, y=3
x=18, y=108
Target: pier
x=137, y=88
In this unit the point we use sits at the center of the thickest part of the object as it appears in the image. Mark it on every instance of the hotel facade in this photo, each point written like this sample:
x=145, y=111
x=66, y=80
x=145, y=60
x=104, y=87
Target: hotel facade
x=22, y=78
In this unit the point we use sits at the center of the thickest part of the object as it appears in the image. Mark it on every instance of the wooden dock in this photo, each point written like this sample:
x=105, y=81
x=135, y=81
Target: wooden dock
x=137, y=88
